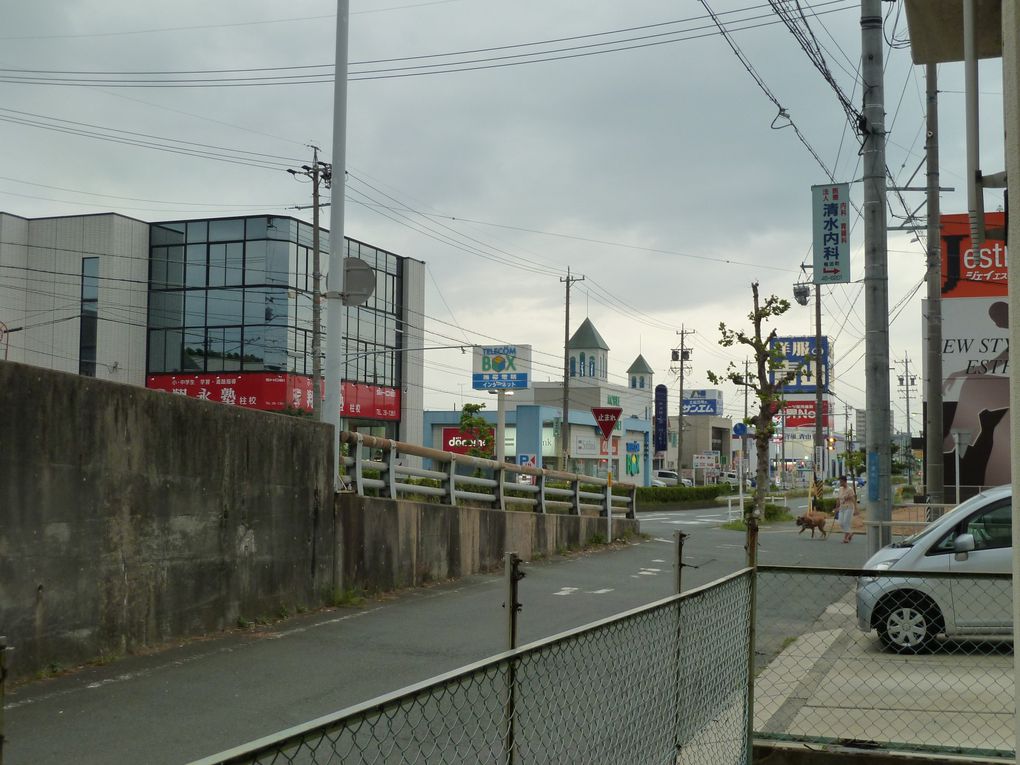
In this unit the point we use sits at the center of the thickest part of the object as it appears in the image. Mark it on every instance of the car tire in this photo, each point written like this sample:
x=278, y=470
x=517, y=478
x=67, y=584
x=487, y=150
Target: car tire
x=907, y=623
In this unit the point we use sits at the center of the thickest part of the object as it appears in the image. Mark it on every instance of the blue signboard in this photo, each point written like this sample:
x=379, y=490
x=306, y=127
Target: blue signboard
x=501, y=367
x=701, y=406
x=660, y=418
x=795, y=351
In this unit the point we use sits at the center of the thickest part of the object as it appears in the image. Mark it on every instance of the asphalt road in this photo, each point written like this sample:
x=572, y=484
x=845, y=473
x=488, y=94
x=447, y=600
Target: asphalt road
x=204, y=696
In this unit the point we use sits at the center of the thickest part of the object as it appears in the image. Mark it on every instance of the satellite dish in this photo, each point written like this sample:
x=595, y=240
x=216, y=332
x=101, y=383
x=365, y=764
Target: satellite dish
x=359, y=281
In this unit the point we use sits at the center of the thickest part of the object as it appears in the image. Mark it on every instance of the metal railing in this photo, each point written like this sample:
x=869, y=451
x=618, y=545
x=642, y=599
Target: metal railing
x=490, y=485
x=664, y=683
x=914, y=662
x=734, y=511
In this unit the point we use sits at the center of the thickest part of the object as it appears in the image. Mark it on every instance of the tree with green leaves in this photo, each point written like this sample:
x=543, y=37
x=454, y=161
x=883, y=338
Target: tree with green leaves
x=479, y=432
x=767, y=357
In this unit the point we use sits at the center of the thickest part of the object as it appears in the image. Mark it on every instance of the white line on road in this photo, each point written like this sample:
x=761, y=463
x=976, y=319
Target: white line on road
x=566, y=591
x=599, y=592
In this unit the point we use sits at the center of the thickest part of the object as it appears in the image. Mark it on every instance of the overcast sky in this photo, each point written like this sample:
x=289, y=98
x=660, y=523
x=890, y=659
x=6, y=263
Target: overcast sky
x=653, y=165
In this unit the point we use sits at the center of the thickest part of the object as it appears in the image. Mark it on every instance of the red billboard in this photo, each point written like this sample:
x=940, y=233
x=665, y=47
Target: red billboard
x=274, y=392
x=801, y=413
x=461, y=442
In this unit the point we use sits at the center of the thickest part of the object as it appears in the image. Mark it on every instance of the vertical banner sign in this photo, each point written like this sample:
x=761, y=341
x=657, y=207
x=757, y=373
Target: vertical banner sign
x=660, y=418
x=830, y=216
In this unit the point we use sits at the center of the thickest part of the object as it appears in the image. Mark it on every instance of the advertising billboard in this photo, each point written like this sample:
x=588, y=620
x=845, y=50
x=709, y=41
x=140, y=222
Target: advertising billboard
x=501, y=367
x=694, y=407
x=975, y=353
x=277, y=391
x=795, y=352
x=800, y=413
x=462, y=442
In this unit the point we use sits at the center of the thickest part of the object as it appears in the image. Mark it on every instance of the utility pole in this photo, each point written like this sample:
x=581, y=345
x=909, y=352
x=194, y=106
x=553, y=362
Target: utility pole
x=876, y=279
x=683, y=355
x=907, y=381
x=318, y=171
x=565, y=419
x=933, y=443
x=335, y=310
x=820, y=451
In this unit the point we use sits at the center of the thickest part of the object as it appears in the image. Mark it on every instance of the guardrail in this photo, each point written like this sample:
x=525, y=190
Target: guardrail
x=489, y=484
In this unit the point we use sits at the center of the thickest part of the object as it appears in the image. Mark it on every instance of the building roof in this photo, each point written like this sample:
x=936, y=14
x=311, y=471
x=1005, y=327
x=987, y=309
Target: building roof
x=587, y=337
x=640, y=367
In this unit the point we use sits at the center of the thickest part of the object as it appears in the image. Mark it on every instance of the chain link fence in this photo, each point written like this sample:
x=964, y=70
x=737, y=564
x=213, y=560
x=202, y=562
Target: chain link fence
x=918, y=662
x=665, y=683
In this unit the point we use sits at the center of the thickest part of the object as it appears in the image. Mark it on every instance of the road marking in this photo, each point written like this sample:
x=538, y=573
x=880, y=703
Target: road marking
x=566, y=591
x=600, y=592
x=660, y=539
x=658, y=560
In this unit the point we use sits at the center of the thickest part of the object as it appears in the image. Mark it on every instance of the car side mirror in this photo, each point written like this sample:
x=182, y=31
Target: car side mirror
x=962, y=545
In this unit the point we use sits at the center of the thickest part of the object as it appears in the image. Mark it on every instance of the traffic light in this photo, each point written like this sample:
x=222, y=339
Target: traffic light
x=830, y=442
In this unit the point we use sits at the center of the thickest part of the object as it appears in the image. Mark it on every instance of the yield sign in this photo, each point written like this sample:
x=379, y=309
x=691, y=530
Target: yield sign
x=606, y=418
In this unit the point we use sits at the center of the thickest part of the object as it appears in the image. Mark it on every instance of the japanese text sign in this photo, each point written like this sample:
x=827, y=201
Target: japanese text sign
x=501, y=367
x=830, y=216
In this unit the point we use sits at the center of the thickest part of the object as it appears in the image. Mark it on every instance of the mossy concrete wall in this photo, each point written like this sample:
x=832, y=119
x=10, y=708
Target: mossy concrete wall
x=129, y=517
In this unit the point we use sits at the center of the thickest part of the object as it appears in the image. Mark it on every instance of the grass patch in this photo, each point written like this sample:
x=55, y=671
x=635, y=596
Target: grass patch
x=349, y=598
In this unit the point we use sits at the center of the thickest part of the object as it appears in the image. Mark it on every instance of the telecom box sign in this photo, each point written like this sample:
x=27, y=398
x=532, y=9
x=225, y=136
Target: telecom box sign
x=661, y=425
x=830, y=216
x=501, y=367
x=795, y=353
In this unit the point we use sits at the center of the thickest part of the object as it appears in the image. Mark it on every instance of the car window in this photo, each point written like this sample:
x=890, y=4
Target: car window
x=992, y=529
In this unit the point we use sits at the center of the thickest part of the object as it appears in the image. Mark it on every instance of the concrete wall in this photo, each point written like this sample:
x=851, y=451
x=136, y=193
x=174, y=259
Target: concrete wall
x=390, y=544
x=129, y=517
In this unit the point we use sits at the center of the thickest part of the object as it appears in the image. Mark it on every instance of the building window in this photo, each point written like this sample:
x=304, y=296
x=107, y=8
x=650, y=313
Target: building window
x=641, y=381
x=582, y=364
x=89, y=321
x=573, y=367
x=591, y=367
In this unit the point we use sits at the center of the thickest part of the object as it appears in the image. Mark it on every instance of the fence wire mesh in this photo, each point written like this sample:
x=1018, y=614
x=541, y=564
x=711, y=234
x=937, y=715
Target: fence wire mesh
x=666, y=683
x=910, y=661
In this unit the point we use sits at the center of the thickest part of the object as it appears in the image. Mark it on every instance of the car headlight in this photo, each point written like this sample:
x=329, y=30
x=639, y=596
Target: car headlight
x=883, y=566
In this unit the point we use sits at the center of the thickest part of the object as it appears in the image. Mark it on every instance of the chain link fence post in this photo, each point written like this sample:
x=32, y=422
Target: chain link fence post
x=512, y=574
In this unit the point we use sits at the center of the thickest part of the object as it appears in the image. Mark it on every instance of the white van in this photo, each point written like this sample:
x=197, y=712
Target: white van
x=908, y=613
x=668, y=478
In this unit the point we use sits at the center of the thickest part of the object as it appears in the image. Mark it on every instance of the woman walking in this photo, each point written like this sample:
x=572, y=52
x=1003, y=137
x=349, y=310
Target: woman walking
x=846, y=503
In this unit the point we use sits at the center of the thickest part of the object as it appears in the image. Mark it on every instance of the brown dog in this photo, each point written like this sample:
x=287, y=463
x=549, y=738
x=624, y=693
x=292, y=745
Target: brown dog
x=812, y=521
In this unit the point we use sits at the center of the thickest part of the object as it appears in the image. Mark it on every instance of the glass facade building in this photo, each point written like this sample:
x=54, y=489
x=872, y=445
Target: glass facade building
x=235, y=295
x=230, y=316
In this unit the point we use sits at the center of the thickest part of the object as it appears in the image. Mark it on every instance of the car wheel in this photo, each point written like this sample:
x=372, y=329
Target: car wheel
x=908, y=625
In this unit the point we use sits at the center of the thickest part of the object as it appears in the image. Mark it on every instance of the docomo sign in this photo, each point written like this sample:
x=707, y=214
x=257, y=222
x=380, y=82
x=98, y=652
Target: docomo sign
x=457, y=441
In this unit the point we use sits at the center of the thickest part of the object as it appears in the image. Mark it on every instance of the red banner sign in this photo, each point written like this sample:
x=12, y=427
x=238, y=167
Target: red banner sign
x=801, y=414
x=275, y=392
x=461, y=442
x=606, y=418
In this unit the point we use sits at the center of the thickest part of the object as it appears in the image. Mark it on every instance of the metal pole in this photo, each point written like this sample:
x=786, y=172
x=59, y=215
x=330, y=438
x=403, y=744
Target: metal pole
x=316, y=288
x=820, y=452
x=501, y=427
x=876, y=279
x=934, y=452
x=910, y=453
x=511, y=576
x=335, y=311
x=975, y=193
x=3, y=680
x=956, y=451
x=565, y=420
x=678, y=561
x=680, y=412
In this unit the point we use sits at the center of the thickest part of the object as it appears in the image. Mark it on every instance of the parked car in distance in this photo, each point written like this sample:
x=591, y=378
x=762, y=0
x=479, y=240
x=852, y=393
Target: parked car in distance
x=910, y=612
x=669, y=478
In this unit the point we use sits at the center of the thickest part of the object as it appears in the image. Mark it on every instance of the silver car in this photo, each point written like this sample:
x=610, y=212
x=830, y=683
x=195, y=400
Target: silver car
x=909, y=612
